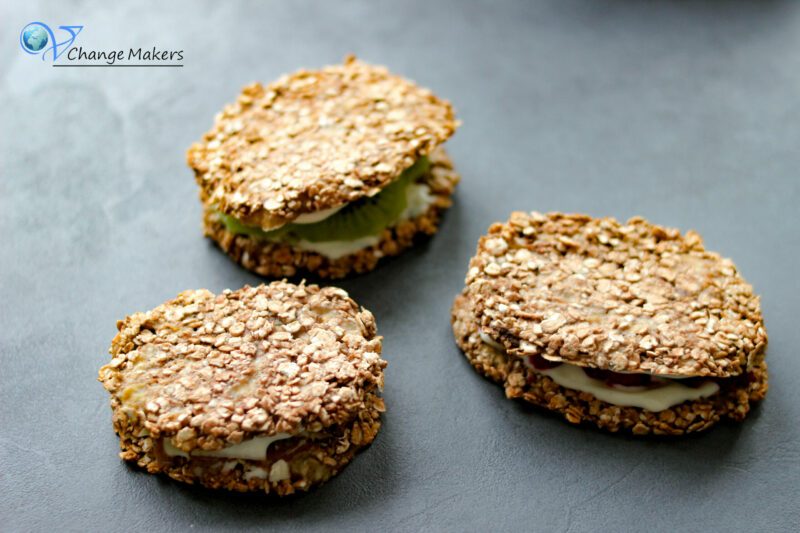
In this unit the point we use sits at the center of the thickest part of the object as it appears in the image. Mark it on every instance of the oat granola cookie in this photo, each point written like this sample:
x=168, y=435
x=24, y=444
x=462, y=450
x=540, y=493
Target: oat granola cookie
x=630, y=327
x=271, y=388
x=280, y=259
x=320, y=170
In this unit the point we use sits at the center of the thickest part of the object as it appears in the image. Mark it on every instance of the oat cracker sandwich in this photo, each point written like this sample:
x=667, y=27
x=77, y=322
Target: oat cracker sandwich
x=629, y=327
x=271, y=388
x=325, y=171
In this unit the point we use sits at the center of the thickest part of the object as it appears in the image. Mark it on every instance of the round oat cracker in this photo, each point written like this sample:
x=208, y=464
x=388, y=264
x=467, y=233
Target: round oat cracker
x=203, y=372
x=633, y=297
x=314, y=140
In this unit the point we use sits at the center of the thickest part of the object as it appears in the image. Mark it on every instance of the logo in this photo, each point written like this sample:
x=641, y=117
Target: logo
x=38, y=38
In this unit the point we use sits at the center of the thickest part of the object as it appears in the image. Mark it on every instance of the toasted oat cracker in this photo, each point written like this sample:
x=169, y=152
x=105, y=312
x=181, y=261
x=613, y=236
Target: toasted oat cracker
x=205, y=372
x=283, y=260
x=296, y=464
x=732, y=402
x=314, y=140
x=633, y=297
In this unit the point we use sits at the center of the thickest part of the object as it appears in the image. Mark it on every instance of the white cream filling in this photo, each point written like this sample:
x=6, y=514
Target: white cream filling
x=256, y=472
x=655, y=399
x=418, y=200
x=254, y=449
x=279, y=471
x=491, y=342
x=318, y=216
x=337, y=249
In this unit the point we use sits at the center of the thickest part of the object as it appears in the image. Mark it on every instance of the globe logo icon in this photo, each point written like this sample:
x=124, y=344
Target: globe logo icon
x=34, y=38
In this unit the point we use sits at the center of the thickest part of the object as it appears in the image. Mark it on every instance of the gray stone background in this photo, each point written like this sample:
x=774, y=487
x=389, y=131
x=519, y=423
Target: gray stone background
x=684, y=112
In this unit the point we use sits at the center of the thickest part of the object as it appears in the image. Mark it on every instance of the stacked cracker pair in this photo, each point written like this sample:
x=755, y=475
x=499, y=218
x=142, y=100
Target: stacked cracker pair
x=630, y=327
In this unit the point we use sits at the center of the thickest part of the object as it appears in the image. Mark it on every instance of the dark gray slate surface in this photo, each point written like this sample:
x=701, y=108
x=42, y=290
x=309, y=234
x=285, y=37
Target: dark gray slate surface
x=685, y=112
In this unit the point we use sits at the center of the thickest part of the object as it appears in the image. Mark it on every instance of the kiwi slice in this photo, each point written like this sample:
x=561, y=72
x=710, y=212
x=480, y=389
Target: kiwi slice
x=366, y=216
x=234, y=225
x=363, y=218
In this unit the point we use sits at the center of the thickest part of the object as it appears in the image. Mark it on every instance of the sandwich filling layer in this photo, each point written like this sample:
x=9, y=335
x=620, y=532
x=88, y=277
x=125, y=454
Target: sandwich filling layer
x=251, y=454
x=645, y=391
x=346, y=229
x=254, y=449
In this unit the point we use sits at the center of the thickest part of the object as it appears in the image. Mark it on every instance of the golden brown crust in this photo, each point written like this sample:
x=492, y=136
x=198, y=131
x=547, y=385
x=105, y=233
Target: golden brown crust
x=314, y=140
x=520, y=381
x=308, y=462
x=635, y=297
x=283, y=260
x=208, y=371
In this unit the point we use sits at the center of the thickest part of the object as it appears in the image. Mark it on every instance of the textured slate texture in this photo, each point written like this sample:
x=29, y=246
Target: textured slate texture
x=684, y=112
